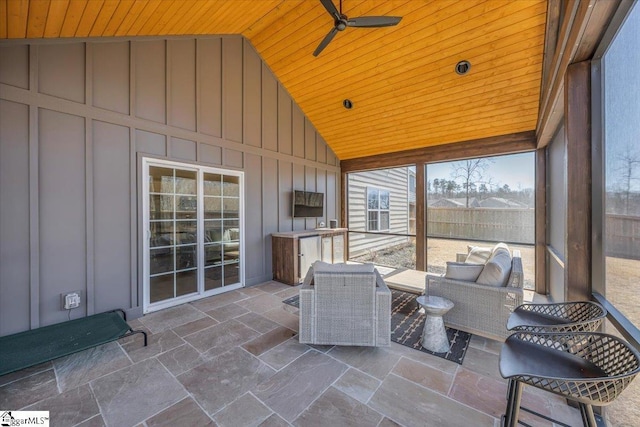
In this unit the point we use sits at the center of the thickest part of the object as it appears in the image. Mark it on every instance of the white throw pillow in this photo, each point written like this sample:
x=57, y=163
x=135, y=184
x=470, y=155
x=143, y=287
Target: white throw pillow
x=500, y=246
x=463, y=271
x=325, y=267
x=497, y=268
x=478, y=254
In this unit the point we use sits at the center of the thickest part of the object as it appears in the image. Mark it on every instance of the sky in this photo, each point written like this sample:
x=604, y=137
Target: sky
x=515, y=170
x=622, y=108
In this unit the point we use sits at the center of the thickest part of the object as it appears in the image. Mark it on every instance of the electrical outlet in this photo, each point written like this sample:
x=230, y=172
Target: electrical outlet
x=71, y=300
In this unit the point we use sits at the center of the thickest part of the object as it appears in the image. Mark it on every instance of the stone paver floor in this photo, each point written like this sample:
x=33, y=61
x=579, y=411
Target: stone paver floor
x=234, y=360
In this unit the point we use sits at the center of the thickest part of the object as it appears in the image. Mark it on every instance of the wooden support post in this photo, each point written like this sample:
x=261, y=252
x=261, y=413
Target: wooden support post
x=344, y=209
x=577, y=271
x=421, y=219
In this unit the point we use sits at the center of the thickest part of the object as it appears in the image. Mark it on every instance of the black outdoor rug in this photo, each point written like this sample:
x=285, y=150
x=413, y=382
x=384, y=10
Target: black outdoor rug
x=406, y=326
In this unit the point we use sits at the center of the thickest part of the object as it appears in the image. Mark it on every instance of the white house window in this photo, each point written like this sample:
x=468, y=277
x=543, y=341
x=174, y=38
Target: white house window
x=377, y=209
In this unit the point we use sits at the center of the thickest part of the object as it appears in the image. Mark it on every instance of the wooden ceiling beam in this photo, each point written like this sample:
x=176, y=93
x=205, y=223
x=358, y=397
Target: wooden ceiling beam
x=346, y=152
x=504, y=144
x=582, y=27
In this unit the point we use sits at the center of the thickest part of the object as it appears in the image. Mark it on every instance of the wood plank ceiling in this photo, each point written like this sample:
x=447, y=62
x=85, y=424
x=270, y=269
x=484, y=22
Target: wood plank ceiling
x=400, y=79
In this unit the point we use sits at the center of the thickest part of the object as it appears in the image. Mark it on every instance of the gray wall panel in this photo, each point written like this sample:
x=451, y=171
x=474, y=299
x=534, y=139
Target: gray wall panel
x=210, y=86
x=269, y=110
x=285, y=208
x=62, y=212
x=150, y=82
x=251, y=95
x=269, y=205
x=14, y=217
x=151, y=143
x=183, y=149
x=332, y=160
x=111, y=76
x=309, y=140
x=321, y=148
x=84, y=191
x=253, y=237
x=232, y=89
x=233, y=158
x=112, y=216
x=332, y=209
x=14, y=65
x=61, y=71
x=297, y=127
x=182, y=85
x=284, y=121
x=210, y=154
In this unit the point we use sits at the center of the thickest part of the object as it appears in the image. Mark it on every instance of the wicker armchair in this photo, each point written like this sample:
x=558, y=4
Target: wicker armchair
x=480, y=309
x=345, y=306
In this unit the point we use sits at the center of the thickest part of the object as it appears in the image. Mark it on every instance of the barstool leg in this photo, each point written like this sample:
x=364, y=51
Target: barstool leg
x=514, y=410
x=509, y=408
x=588, y=419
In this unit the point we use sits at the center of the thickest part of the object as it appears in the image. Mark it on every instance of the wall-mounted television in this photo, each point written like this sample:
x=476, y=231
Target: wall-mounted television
x=307, y=204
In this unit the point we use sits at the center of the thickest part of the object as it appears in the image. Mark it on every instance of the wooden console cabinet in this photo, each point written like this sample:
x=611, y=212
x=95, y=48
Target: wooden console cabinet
x=290, y=259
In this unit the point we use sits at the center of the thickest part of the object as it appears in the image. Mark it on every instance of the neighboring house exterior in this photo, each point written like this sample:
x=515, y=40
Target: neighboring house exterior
x=382, y=202
x=456, y=202
x=500, y=202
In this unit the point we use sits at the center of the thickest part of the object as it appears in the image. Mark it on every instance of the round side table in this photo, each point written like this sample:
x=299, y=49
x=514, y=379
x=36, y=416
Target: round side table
x=434, y=335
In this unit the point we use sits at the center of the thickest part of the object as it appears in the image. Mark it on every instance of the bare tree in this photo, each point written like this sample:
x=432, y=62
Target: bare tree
x=471, y=172
x=629, y=162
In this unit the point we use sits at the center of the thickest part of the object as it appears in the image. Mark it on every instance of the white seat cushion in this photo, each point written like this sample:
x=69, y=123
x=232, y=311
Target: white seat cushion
x=478, y=254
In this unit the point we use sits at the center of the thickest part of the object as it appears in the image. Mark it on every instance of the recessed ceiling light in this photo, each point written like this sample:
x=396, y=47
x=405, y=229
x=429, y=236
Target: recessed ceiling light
x=463, y=67
x=347, y=104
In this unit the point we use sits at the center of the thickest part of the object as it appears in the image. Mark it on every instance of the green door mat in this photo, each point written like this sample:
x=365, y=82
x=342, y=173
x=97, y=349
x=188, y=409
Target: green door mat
x=24, y=349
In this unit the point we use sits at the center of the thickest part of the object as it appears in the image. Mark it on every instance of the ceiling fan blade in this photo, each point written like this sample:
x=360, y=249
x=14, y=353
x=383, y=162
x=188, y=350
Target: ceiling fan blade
x=325, y=41
x=331, y=8
x=374, y=21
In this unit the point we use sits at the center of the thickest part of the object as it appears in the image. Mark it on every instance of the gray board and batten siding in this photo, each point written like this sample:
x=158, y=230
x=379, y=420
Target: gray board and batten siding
x=76, y=119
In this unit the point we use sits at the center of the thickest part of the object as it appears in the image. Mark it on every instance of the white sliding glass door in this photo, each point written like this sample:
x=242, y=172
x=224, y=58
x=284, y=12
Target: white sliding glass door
x=193, y=232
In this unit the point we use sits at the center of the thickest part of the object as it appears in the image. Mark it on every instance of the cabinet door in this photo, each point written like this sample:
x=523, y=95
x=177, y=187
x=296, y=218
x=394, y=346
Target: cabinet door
x=338, y=248
x=327, y=249
x=309, y=252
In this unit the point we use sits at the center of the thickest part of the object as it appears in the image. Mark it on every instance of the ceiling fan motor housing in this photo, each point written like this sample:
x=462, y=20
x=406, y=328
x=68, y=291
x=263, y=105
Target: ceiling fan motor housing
x=341, y=24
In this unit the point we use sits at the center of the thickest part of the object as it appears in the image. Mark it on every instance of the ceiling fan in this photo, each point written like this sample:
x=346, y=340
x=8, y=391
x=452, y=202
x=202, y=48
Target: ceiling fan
x=341, y=22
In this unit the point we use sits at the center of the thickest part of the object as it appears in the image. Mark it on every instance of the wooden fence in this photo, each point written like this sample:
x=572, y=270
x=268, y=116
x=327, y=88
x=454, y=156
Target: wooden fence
x=488, y=224
x=622, y=236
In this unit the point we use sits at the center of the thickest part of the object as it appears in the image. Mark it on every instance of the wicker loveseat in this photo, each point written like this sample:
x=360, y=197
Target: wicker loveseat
x=481, y=309
x=343, y=304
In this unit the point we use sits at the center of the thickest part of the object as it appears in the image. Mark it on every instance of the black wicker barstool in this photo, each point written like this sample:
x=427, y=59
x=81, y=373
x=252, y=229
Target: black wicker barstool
x=589, y=368
x=576, y=316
